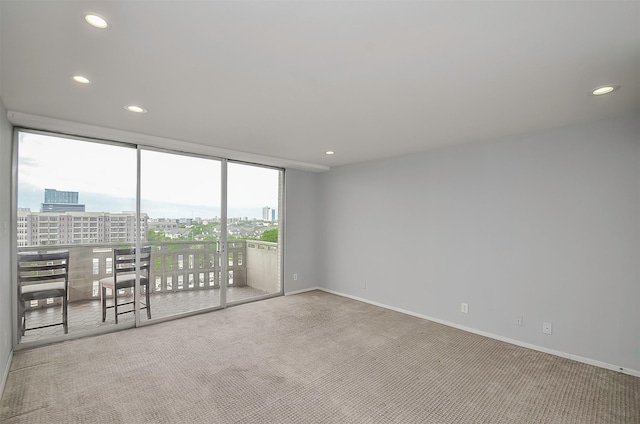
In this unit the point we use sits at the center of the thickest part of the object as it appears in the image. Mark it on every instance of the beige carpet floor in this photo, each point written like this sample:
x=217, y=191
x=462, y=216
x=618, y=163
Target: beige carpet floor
x=309, y=358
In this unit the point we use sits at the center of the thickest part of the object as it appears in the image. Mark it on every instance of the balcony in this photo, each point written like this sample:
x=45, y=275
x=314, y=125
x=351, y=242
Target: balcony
x=184, y=277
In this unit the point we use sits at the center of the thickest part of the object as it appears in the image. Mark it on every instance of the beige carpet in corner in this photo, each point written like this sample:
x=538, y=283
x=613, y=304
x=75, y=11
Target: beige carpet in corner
x=309, y=358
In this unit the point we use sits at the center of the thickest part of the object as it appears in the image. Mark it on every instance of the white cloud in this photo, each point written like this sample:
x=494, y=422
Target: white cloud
x=110, y=170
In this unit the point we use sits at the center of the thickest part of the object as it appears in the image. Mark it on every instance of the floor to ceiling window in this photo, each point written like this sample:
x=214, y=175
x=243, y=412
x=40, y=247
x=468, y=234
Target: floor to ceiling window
x=78, y=197
x=157, y=233
x=181, y=197
x=253, y=231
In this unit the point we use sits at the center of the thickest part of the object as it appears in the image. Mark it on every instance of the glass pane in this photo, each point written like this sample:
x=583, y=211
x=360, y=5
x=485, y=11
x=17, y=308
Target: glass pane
x=180, y=196
x=78, y=197
x=253, y=236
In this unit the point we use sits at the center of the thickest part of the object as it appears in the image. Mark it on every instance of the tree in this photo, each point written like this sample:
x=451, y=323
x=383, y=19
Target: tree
x=270, y=235
x=157, y=236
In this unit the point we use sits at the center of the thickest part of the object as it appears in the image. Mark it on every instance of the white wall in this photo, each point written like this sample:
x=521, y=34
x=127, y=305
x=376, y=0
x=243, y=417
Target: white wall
x=5, y=243
x=545, y=226
x=301, y=231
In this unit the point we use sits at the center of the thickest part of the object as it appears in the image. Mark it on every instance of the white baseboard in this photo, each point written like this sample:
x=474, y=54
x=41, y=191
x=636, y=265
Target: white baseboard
x=635, y=373
x=302, y=291
x=5, y=375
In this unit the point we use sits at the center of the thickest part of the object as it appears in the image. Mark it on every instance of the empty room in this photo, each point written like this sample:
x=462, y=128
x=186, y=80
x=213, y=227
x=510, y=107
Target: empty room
x=319, y=211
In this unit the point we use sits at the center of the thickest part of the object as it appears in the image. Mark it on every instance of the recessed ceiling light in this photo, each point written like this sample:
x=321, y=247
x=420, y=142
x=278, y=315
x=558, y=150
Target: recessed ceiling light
x=329, y=152
x=96, y=20
x=604, y=89
x=81, y=79
x=135, y=108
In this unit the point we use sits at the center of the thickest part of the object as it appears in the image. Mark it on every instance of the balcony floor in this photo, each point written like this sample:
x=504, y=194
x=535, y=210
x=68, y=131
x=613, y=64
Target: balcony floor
x=86, y=315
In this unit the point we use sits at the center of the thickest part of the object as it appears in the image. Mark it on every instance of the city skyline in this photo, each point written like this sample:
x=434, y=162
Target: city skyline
x=99, y=203
x=172, y=185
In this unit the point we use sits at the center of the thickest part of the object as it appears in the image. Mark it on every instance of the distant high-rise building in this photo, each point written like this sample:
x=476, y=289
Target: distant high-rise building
x=55, y=196
x=61, y=201
x=265, y=213
x=273, y=215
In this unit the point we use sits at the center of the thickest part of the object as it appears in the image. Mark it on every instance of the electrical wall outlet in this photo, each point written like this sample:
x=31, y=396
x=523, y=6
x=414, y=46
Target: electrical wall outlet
x=519, y=321
x=464, y=308
x=546, y=327
x=295, y=277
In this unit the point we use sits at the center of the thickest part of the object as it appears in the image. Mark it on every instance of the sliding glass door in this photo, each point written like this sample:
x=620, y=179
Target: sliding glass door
x=111, y=235
x=74, y=198
x=180, y=199
x=253, y=232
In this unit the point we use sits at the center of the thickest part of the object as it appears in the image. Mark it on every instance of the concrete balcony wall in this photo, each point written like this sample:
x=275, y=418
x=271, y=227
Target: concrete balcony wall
x=176, y=266
x=237, y=252
x=263, y=266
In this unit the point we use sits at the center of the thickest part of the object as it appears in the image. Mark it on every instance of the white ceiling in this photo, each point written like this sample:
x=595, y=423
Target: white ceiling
x=292, y=79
